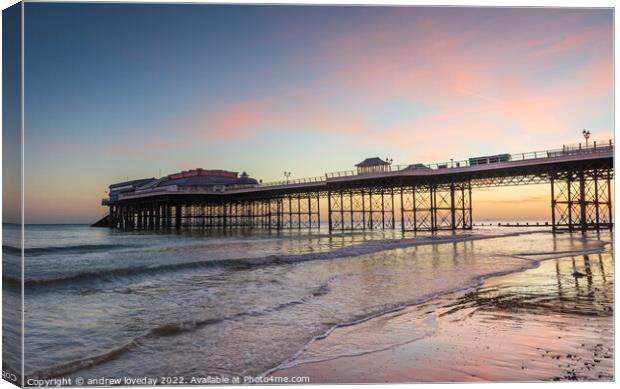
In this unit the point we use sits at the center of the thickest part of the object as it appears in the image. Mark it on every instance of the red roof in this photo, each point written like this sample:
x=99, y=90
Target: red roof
x=204, y=173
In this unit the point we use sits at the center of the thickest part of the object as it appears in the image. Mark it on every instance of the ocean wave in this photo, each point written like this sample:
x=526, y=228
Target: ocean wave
x=428, y=328
x=166, y=330
x=76, y=249
x=365, y=248
x=174, y=329
x=87, y=248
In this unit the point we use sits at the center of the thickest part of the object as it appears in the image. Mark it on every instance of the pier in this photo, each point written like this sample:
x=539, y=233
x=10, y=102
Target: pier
x=377, y=195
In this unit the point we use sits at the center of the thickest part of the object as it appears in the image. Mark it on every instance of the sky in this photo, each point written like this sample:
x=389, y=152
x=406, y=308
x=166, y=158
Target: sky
x=117, y=91
x=11, y=114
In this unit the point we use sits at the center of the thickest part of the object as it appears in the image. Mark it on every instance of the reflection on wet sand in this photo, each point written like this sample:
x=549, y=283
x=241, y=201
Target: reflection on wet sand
x=553, y=322
x=578, y=286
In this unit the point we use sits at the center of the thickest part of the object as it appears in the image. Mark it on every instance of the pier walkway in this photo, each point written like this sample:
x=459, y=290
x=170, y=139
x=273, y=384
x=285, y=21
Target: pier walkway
x=421, y=196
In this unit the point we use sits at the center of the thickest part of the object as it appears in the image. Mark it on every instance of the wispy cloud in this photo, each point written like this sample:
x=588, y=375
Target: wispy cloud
x=546, y=78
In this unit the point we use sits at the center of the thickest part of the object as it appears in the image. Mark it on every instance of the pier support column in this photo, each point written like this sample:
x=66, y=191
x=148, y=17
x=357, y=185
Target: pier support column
x=144, y=217
x=275, y=213
x=417, y=208
x=120, y=211
x=168, y=216
x=362, y=209
x=436, y=207
x=329, y=211
x=300, y=211
x=370, y=218
x=452, y=208
x=318, y=211
x=392, y=209
x=581, y=199
x=127, y=218
x=139, y=217
x=178, y=209
x=336, y=209
x=224, y=215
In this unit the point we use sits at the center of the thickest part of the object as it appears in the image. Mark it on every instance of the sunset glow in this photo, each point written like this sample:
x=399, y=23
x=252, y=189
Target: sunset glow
x=113, y=93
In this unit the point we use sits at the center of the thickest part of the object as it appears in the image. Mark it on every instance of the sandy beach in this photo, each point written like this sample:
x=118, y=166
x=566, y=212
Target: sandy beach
x=492, y=304
x=553, y=322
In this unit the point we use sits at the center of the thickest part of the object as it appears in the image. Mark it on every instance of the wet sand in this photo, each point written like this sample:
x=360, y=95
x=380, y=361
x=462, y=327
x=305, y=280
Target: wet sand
x=550, y=323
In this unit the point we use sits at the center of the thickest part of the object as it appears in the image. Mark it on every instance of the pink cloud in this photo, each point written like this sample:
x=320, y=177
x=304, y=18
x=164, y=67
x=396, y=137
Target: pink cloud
x=236, y=120
x=478, y=87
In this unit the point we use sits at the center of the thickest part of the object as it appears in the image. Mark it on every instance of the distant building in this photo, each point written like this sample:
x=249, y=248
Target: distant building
x=207, y=180
x=372, y=165
x=127, y=187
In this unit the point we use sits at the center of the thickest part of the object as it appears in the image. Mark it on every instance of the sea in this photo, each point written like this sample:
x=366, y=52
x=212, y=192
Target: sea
x=196, y=303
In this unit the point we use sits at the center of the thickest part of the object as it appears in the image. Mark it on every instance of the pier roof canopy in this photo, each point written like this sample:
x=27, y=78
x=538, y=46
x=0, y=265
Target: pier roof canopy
x=372, y=165
x=368, y=162
x=208, y=181
x=200, y=178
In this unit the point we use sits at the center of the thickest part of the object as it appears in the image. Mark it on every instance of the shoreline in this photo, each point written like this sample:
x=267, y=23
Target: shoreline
x=297, y=301
x=396, y=311
x=426, y=359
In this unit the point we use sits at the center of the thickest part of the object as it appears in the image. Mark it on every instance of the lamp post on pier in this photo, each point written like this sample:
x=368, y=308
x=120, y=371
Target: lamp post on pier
x=586, y=135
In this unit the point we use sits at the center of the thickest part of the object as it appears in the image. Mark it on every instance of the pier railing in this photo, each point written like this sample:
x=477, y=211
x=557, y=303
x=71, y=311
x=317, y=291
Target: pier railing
x=430, y=200
x=578, y=148
x=298, y=181
x=574, y=149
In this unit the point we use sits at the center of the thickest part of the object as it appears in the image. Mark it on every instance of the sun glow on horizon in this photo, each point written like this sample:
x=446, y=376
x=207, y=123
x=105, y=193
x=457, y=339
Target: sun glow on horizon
x=306, y=89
